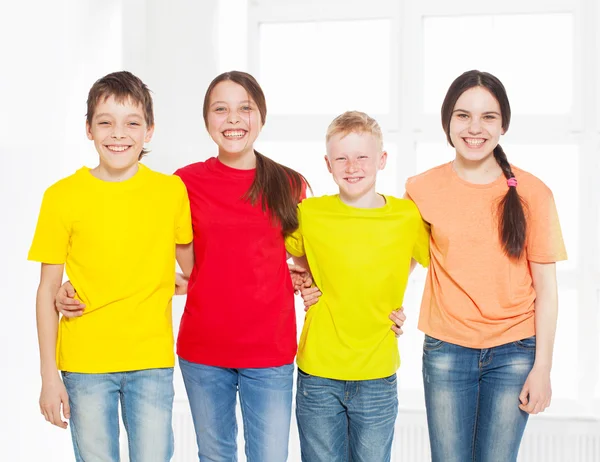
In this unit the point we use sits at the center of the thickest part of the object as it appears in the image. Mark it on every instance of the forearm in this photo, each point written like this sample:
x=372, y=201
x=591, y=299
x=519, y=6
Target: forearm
x=185, y=258
x=47, y=327
x=546, y=313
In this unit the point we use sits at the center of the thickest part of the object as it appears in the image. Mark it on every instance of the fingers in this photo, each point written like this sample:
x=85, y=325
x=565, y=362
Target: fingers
x=397, y=330
x=310, y=295
x=66, y=407
x=296, y=268
x=397, y=317
x=51, y=413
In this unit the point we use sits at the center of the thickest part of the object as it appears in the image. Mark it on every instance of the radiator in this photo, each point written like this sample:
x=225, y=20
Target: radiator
x=546, y=439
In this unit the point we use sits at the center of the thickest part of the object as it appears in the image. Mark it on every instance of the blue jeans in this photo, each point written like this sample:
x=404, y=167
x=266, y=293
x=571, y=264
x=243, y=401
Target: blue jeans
x=146, y=398
x=472, y=399
x=266, y=403
x=342, y=420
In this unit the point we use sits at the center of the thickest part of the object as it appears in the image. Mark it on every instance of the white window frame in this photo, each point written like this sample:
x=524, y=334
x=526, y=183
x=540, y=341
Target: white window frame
x=407, y=124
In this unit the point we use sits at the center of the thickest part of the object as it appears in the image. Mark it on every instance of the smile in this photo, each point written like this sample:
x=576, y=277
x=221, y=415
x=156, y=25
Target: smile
x=354, y=179
x=117, y=147
x=474, y=142
x=234, y=134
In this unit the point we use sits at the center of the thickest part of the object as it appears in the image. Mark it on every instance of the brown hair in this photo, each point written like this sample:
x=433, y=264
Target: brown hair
x=122, y=86
x=354, y=122
x=512, y=222
x=278, y=188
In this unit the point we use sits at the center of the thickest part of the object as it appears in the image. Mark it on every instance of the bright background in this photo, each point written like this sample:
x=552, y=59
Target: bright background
x=314, y=59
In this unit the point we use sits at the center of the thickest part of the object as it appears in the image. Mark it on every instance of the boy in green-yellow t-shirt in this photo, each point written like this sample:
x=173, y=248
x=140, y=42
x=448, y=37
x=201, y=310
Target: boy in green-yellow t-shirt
x=360, y=247
x=116, y=229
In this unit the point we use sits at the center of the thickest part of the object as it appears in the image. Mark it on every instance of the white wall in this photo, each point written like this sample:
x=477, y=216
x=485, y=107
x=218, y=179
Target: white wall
x=52, y=52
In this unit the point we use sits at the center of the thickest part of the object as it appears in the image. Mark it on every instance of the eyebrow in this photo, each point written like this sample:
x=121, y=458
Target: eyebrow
x=106, y=114
x=484, y=113
x=246, y=101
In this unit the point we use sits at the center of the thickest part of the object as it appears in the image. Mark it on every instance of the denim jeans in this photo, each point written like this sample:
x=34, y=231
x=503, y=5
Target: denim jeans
x=472, y=399
x=146, y=398
x=344, y=420
x=266, y=403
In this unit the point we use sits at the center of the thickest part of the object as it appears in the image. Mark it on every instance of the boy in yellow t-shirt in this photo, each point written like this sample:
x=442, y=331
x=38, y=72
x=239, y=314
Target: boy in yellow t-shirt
x=360, y=247
x=115, y=227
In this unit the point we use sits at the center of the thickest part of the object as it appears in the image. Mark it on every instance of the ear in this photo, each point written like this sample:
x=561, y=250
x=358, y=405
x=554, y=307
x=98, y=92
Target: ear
x=88, y=130
x=328, y=163
x=383, y=160
x=149, y=133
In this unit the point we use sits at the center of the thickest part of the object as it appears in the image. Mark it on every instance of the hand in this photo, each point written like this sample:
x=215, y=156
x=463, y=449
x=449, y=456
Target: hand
x=181, y=284
x=53, y=395
x=310, y=296
x=537, y=392
x=398, y=317
x=65, y=301
x=300, y=277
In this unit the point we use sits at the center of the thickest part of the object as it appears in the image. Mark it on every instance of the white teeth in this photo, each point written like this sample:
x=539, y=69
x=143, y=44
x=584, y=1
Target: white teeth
x=353, y=180
x=234, y=134
x=118, y=148
x=474, y=142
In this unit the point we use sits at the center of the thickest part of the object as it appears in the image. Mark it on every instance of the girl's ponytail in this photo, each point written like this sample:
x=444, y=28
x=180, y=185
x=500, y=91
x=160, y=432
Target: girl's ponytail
x=512, y=223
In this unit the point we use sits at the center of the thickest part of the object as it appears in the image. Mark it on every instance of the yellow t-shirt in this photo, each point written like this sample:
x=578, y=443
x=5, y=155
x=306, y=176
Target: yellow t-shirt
x=118, y=243
x=360, y=259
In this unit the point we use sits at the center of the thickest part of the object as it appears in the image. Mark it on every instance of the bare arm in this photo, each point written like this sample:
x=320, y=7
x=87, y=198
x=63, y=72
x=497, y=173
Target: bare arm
x=537, y=391
x=53, y=392
x=185, y=258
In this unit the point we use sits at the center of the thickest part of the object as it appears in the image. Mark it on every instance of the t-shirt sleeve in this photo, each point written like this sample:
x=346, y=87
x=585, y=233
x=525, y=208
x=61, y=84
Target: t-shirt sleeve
x=183, y=225
x=53, y=231
x=294, y=242
x=421, y=248
x=544, y=236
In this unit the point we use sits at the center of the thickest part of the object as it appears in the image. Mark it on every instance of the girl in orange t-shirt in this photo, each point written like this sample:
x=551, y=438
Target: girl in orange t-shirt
x=490, y=303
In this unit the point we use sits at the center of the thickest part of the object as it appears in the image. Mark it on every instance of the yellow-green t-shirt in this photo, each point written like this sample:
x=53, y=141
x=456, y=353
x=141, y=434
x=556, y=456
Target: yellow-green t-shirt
x=360, y=260
x=117, y=240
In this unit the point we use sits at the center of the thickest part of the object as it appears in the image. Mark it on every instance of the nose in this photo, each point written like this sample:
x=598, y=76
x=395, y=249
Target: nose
x=118, y=132
x=233, y=118
x=475, y=126
x=352, y=166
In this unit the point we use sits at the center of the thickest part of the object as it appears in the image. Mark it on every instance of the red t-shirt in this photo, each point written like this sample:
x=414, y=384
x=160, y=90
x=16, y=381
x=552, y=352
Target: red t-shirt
x=240, y=304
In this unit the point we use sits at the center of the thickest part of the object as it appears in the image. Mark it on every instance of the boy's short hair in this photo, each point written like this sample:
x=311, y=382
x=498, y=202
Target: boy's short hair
x=123, y=86
x=354, y=122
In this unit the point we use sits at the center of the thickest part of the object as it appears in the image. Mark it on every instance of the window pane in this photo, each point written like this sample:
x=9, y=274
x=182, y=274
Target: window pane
x=564, y=364
x=326, y=67
x=532, y=54
x=547, y=162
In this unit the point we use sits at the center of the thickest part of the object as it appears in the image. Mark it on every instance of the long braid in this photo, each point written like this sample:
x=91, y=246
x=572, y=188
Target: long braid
x=512, y=222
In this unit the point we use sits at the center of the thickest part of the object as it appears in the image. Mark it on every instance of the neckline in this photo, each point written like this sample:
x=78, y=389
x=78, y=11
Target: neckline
x=497, y=182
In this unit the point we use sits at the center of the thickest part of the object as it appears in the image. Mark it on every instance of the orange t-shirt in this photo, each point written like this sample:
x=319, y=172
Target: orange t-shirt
x=475, y=296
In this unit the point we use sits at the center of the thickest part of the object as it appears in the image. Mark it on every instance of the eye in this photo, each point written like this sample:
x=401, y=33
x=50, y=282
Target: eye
x=135, y=124
x=490, y=117
x=220, y=109
x=340, y=158
x=363, y=157
x=462, y=115
x=246, y=108
x=103, y=123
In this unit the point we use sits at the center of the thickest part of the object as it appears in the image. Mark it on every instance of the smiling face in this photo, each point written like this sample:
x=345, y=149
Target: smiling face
x=476, y=124
x=354, y=160
x=233, y=119
x=119, y=131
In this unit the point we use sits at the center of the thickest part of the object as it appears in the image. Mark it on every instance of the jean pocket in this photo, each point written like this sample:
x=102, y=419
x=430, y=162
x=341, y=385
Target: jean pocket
x=391, y=380
x=303, y=374
x=430, y=343
x=526, y=343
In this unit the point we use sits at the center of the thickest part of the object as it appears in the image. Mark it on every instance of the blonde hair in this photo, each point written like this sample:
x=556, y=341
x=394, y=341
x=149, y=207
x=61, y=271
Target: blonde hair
x=354, y=122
